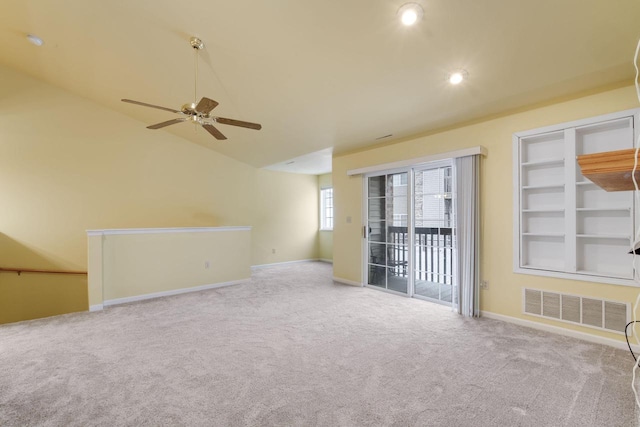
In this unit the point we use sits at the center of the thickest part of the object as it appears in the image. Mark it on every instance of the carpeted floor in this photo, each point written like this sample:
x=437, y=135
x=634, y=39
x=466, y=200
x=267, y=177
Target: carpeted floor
x=292, y=348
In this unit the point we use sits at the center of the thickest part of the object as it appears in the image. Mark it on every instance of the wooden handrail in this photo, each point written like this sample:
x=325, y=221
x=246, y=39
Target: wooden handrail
x=31, y=270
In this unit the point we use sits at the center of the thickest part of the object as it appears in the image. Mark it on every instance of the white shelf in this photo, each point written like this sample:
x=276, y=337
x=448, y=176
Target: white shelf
x=544, y=234
x=586, y=183
x=595, y=273
x=549, y=162
x=621, y=209
x=542, y=210
x=542, y=187
x=548, y=268
x=604, y=236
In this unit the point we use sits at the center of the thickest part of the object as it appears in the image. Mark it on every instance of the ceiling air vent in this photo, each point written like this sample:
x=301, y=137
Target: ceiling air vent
x=591, y=312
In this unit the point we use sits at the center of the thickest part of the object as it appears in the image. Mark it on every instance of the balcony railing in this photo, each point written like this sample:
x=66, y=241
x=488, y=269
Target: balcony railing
x=434, y=251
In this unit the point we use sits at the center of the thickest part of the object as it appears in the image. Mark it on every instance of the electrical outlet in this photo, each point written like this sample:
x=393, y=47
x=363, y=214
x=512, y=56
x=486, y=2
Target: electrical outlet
x=207, y=264
x=273, y=251
x=484, y=284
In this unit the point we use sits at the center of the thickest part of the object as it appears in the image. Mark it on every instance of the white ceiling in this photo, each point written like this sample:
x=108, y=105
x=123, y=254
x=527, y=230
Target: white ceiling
x=321, y=76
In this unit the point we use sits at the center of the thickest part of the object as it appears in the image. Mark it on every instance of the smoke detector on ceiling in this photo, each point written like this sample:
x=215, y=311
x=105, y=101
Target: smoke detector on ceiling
x=35, y=40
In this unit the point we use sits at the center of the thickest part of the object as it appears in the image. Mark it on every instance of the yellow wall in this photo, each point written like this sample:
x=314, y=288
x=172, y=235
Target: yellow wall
x=285, y=217
x=30, y=296
x=505, y=287
x=325, y=237
x=68, y=165
x=150, y=263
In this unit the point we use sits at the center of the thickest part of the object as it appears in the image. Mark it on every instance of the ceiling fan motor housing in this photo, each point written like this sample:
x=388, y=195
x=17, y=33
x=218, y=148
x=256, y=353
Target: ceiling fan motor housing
x=189, y=108
x=196, y=43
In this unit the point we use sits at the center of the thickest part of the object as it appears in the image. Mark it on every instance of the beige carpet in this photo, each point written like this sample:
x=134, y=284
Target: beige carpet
x=292, y=348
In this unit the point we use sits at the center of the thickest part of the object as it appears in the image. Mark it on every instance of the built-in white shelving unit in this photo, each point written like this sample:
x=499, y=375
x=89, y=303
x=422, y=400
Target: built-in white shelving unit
x=564, y=225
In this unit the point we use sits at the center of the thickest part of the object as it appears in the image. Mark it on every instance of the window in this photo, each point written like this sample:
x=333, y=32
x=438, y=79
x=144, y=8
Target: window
x=326, y=209
x=566, y=226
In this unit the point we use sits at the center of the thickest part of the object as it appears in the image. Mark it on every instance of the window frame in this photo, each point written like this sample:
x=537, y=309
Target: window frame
x=326, y=222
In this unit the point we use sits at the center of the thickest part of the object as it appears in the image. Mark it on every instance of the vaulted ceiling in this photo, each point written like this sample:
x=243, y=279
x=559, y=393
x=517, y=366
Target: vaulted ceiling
x=321, y=75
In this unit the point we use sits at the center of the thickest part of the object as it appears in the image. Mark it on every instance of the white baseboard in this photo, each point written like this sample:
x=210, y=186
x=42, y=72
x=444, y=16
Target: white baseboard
x=346, y=281
x=561, y=331
x=285, y=263
x=117, y=301
x=97, y=307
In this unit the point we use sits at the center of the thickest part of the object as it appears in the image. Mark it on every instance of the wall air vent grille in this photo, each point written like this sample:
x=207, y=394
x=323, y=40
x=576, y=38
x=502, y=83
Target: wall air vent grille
x=571, y=308
x=533, y=301
x=615, y=316
x=591, y=312
x=551, y=305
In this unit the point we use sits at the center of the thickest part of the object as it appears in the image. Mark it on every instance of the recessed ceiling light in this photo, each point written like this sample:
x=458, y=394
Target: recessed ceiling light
x=410, y=13
x=457, y=77
x=35, y=40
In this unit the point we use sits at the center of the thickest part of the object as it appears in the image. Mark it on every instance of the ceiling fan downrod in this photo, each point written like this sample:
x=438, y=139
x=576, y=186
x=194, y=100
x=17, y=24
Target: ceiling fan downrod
x=196, y=44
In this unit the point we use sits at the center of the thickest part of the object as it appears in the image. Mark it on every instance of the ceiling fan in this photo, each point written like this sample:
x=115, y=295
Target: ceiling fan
x=199, y=113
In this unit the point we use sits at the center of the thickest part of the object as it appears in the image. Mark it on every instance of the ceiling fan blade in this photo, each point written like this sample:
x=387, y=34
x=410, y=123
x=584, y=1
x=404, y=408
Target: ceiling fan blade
x=206, y=105
x=167, y=123
x=215, y=132
x=144, y=104
x=240, y=123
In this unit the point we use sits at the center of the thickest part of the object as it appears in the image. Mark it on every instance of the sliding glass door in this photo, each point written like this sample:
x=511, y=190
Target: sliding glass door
x=434, y=233
x=410, y=232
x=387, y=243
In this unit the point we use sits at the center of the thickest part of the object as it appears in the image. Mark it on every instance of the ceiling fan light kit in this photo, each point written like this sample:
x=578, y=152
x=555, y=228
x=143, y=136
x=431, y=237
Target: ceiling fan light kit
x=197, y=113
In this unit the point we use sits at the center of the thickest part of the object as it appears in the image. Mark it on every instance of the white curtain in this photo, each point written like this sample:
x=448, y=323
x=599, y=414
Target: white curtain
x=467, y=236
